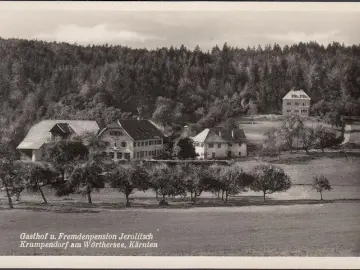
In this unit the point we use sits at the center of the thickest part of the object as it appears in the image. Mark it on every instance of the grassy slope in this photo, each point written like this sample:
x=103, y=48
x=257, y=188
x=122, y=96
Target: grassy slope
x=312, y=230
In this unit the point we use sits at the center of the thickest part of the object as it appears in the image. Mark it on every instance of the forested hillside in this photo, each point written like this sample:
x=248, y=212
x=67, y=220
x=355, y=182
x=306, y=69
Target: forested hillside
x=40, y=80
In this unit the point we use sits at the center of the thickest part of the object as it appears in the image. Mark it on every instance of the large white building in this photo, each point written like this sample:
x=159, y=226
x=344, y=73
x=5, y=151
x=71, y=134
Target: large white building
x=31, y=148
x=217, y=142
x=132, y=139
x=296, y=102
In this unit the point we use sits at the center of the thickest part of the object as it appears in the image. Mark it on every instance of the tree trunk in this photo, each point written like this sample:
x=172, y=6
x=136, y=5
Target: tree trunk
x=41, y=192
x=222, y=195
x=191, y=195
x=42, y=195
x=89, y=197
x=218, y=194
x=127, y=200
x=156, y=194
x=194, y=199
x=321, y=197
x=226, y=196
x=264, y=193
x=9, y=197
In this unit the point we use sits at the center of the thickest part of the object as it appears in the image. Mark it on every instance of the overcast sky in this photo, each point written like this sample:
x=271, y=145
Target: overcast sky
x=194, y=25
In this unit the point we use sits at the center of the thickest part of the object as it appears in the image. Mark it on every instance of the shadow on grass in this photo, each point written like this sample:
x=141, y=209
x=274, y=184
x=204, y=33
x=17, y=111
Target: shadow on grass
x=177, y=203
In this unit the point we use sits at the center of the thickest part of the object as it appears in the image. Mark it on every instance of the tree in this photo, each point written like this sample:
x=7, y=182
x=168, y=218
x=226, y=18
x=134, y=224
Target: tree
x=62, y=154
x=84, y=178
x=308, y=138
x=325, y=137
x=163, y=181
x=289, y=129
x=195, y=179
x=321, y=183
x=38, y=175
x=184, y=148
x=9, y=173
x=234, y=180
x=269, y=179
x=273, y=142
x=128, y=177
x=252, y=110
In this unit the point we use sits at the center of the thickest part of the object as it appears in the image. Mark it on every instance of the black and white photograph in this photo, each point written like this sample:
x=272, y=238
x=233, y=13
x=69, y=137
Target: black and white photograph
x=175, y=129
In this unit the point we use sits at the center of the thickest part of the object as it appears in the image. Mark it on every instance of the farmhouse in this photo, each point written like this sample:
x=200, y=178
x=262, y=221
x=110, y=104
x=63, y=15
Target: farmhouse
x=296, y=102
x=132, y=139
x=218, y=142
x=52, y=130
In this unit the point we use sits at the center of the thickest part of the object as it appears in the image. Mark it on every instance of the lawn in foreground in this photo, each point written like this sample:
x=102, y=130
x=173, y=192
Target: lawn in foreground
x=298, y=230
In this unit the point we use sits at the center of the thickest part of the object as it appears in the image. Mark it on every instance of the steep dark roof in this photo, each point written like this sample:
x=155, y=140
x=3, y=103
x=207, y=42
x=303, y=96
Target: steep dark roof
x=62, y=127
x=141, y=129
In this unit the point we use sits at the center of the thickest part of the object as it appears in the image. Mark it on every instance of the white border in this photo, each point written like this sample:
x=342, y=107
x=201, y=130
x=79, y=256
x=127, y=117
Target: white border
x=193, y=262
x=181, y=6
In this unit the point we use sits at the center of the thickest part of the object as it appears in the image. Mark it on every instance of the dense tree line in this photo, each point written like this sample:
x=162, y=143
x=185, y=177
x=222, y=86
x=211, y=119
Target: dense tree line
x=40, y=80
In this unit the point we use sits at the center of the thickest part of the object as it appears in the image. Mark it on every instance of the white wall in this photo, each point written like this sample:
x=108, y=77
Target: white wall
x=207, y=153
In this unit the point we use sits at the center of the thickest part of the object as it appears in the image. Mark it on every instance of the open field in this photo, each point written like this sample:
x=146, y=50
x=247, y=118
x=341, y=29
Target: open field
x=297, y=230
x=255, y=131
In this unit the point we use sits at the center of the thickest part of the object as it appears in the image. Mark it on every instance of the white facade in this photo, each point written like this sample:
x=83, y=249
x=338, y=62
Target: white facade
x=220, y=150
x=119, y=145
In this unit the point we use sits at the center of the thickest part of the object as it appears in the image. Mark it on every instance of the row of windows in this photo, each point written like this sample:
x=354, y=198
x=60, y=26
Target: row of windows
x=122, y=144
x=115, y=133
x=117, y=155
x=146, y=143
x=297, y=111
x=142, y=154
x=211, y=145
x=213, y=154
x=296, y=103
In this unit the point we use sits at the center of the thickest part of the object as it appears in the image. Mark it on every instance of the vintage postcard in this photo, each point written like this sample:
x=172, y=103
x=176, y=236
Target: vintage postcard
x=205, y=133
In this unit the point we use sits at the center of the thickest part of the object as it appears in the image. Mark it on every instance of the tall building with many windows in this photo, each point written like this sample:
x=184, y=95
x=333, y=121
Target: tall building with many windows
x=296, y=102
x=132, y=139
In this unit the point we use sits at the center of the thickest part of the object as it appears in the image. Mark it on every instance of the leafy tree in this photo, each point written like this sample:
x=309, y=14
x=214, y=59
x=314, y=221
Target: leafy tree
x=9, y=173
x=128, y=177
x=290, y=129
x=325, y=137
x=84, y=178
x=269, y=179
x=184, y=148
x=273, y=142
x=38, y=175
x=62, y=154
x=252, y=110
x=321, y=183
x=234, y=180
x=308, y=138
x=195, y=178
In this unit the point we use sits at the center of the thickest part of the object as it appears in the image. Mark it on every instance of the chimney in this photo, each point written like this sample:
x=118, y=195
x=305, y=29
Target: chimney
x=232, y=133
x=186, y=131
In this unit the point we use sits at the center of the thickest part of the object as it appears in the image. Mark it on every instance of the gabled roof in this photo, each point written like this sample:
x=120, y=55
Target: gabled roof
x=40, y=132
x=220, y=135
x=295, y=94
x=63, y=128
x=137, y=129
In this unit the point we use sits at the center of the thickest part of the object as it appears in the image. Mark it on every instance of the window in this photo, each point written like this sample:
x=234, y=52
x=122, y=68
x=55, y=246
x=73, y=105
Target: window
x=211, y=145
x=304, y=104
x=219, y=145
x=150, y=142
x=141, y=154
x=137, y=154
x=229, y=144
x=150, y=153
x=239, y=154
x=146, y=143
x=202, y=145
x=288, y=103
x=107, y=143
x=115, y=133
x=119, y=155
x=154, y=153
x=239, y=143
x=111, y=154
x=104, y=154
x=123, y=144
x=134, y=144
x=296, y=111
x=127, y=156
x=115, y=144
x=142, y=143
x=213, y=154
x=197, y=144
x=145, y=153
x=288, y=110
x=297, y=103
